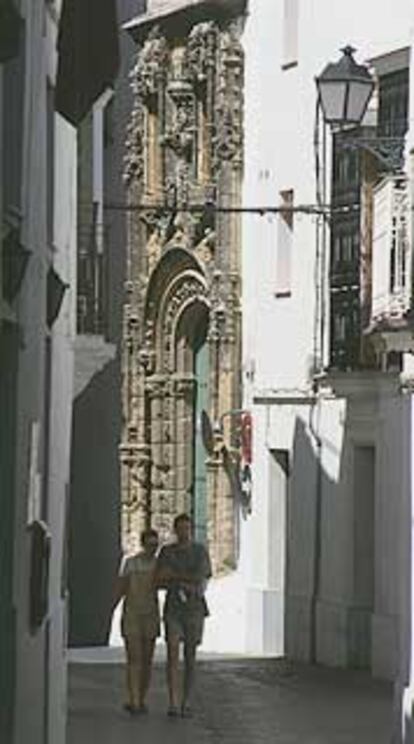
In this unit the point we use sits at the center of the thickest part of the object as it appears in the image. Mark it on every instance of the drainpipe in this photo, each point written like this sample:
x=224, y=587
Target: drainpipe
x=317, y=550
x=320, y=155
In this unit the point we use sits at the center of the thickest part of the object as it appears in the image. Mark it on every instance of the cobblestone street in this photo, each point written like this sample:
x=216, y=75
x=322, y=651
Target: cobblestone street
x=246, y=701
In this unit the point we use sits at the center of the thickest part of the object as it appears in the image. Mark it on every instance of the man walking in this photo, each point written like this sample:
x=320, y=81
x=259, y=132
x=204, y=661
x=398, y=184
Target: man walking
x=183, y=569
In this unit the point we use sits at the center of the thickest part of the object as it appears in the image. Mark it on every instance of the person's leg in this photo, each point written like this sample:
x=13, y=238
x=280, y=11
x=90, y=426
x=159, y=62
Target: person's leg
x=194, y=627
x=173, y=654
x=132, y=647
x=190, y=650
x=147, y=653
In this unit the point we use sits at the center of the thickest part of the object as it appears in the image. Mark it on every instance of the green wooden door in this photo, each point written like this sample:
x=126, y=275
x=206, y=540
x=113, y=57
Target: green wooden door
x=200, y=473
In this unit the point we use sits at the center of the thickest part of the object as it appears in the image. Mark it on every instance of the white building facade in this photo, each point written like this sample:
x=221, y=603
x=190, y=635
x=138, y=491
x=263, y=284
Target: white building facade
x=39, y=111
x=326, y=547
x=38, y=312
x=324, y=569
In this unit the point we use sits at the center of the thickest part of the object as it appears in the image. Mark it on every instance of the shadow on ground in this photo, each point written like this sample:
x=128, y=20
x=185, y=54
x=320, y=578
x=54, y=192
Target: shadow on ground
x=245, y=701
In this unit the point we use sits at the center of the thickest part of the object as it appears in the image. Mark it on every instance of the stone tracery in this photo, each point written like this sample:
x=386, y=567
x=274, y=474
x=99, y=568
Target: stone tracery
x=182, y=309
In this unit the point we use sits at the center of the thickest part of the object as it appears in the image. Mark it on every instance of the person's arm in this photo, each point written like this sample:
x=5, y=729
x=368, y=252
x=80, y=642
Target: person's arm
x=121, y=583
x=163, y=575
x=120, y=590
x=207, y=569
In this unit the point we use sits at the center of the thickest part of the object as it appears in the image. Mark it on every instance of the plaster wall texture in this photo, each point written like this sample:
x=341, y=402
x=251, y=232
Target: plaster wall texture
x=279, y=122
x=404, y=687
x=30, y=674
x=41, y=657
x=62, y=382
x=278, y=545
x=278, y=348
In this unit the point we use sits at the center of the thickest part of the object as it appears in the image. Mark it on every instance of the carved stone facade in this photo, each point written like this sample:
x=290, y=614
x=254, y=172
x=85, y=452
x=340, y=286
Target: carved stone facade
x=182, y=322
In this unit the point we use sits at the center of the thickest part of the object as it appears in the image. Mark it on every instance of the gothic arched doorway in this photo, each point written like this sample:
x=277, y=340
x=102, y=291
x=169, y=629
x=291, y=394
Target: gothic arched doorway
x=166, y=470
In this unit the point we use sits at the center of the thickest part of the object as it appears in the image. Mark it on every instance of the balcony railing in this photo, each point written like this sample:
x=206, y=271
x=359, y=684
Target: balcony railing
x=90, y=280
x=391, y=252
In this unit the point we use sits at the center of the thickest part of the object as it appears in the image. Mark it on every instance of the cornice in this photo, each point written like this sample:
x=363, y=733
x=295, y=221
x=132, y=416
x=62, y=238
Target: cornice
x=169, y=11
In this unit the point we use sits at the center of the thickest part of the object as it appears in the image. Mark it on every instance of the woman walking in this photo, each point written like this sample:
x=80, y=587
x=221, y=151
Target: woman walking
x=140, y=623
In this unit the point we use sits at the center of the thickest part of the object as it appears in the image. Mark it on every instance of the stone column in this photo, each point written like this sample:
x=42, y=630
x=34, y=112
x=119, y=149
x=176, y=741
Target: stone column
x=184, y=413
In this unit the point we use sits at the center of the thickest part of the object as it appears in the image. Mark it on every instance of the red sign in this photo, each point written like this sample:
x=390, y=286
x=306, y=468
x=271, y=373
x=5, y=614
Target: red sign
x=246, y=438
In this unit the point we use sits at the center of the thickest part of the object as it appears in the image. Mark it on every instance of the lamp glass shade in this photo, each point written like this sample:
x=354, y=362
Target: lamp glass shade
x=344, y=90
x=358, y=99
x=332, y=98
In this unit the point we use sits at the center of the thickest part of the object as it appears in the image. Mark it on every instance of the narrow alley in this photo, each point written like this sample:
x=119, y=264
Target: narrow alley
x=242, y=700
x=207, y=371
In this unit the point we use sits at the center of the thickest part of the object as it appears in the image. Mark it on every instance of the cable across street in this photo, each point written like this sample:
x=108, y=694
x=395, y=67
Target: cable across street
x=312, y=209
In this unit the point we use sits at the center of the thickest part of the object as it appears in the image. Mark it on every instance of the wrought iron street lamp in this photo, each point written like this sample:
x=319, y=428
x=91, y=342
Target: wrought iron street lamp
x=345, y=89
x=344, y=92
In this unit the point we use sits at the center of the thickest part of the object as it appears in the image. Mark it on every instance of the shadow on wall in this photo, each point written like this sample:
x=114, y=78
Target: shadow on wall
x=94, y=518
x=330, y=548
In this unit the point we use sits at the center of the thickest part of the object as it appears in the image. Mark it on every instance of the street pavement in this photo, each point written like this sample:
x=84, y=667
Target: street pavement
x=243, y=700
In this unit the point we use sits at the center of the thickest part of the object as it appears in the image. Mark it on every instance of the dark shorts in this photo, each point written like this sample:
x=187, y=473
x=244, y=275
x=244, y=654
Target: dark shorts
x=187, y=626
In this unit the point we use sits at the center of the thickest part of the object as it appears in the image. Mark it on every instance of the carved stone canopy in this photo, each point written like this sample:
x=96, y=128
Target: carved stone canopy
x=165, y=10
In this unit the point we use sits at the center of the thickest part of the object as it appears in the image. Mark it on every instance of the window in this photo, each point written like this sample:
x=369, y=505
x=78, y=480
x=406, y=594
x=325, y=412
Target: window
x=284, y=246
x=340, y=327
x=398, y=257
x=393, y=104
x=290, y=34
x=337, y=249
x=347, y=247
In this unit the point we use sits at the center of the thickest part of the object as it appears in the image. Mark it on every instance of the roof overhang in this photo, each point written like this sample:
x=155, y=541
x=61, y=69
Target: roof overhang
x=385, y=64
x=187, y=11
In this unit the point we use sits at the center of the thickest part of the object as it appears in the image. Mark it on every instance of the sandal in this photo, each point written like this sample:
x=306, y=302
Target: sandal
x=172, y=711
x=131, y=709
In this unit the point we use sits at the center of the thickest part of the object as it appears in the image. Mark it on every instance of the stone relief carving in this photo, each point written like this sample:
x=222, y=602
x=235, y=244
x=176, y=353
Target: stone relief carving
x=154, y=249
x=192, y=87
x=146, y=80
x=179, y=133
x=205, y=249
x=201, y=50
x=229, y=105
x=134, y=148
x=189, y=289
x=149, y=71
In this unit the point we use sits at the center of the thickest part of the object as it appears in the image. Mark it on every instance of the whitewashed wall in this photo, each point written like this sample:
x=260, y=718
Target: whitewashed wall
x=41, y=658
x=404, y=687
x=277, y=356
x=279, y=122
x=31, y=680
x=63, y=337
x=278, y=334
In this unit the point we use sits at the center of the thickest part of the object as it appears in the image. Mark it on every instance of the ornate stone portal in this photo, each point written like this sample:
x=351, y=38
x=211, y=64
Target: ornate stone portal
x=182, y=324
